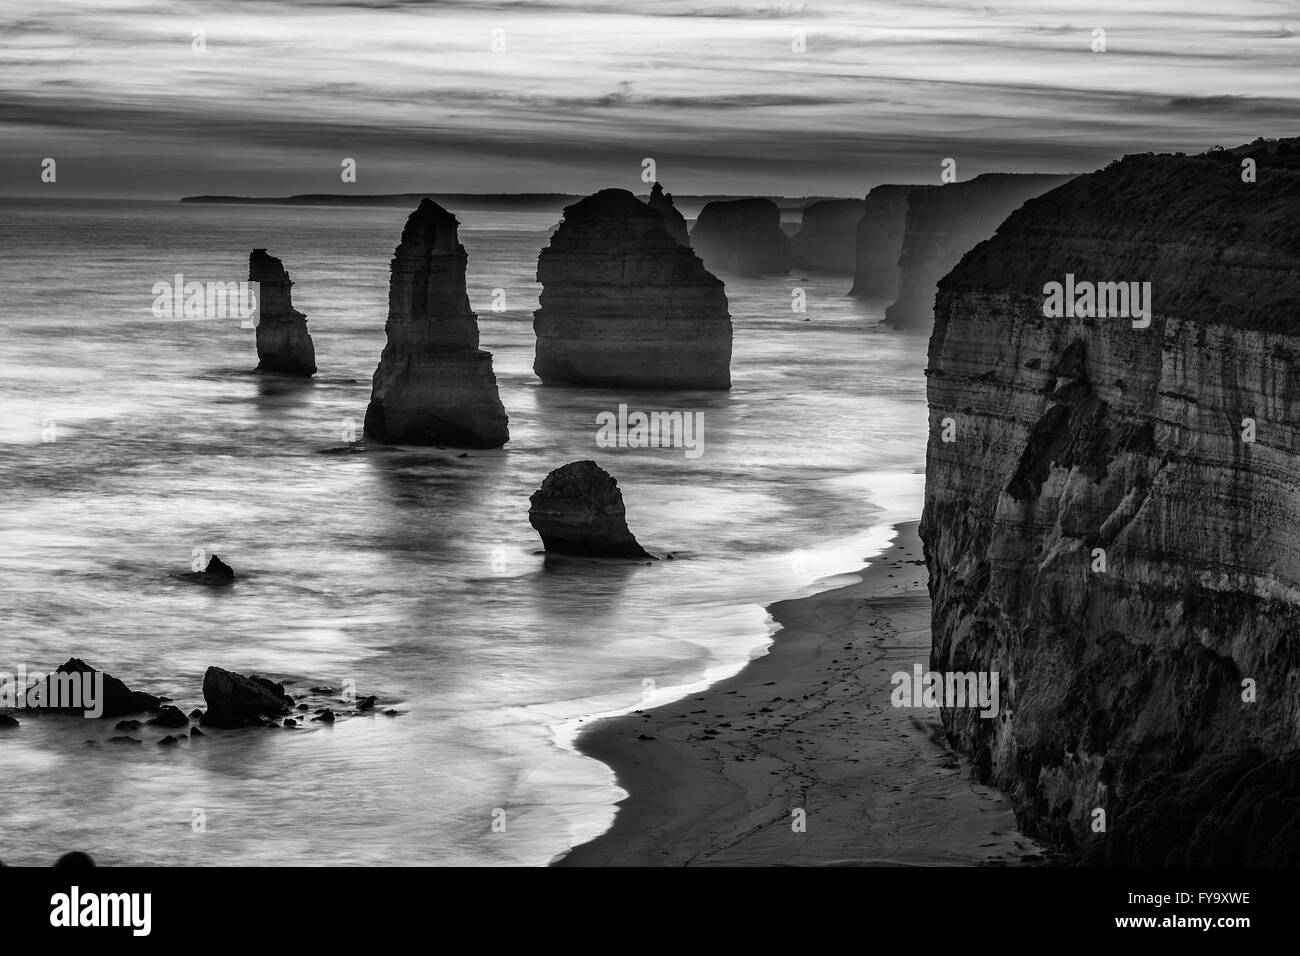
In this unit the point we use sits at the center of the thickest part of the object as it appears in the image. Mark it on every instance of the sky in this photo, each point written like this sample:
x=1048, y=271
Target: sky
x=819, y=98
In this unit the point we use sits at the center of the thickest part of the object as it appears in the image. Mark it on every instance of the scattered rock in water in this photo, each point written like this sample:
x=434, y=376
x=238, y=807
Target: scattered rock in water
x=303, y=707
x=195, y=732
x=122, y=740
x=8, y=723
x=326, y=716
x=169, y=741
x=290, y=722
x=235, y=700
x=114, y=698
x=365, y=703
x=128, y=725
x=579, y=510
x=216, y=574
x=196, y=714
x=169, y=716
x=324, y=690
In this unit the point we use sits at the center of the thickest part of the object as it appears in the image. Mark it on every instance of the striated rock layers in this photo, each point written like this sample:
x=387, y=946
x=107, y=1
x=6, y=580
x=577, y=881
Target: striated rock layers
x=434, y=385
x=742, y=235
x=1115, y=526
x=674, y=221
x=878, y=242
x=827, y=239
x=943, y=224
x=283, y=342
x=624, y=305
x=579, y=510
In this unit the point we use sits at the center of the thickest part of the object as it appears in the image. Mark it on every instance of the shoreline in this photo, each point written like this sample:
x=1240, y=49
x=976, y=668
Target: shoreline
x=718, y=777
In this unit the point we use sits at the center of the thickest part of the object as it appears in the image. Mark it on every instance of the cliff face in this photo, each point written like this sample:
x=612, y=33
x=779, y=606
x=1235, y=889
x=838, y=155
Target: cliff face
x=624, y=305
x=1101, y=531
x=283, y=342
x=434, y=385
x=742, y=235
x=827, y=240
x=674, y=221
x=878, y=242
x=943, y=223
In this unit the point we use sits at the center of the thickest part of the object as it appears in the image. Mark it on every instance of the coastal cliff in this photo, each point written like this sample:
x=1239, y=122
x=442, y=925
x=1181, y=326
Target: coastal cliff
x=827, y=238
x=623, y=304
x=434, y=385
x=742, y=236
x=283, y=342
x=943, y=223
x=878, y=242
x=1111, y=517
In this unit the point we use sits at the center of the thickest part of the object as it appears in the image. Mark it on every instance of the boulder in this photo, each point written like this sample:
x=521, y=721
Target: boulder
x=579, y=510
x=234, y=700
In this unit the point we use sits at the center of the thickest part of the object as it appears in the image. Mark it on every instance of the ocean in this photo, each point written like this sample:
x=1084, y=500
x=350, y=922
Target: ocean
x=130, y=441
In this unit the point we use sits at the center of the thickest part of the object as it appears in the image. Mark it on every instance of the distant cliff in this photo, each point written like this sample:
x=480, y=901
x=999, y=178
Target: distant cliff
x=742, y=236
x=827, y=238
x=878, y=242
x=1112, y=513
x=943, y=223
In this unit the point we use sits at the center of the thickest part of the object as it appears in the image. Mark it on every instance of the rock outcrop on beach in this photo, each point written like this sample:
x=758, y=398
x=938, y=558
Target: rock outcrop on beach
x=742, y=236
x=878, y=242
x=674, y=221
x=434, y=385
x=579, y=510
x=235, y=700
x=624, y=305
x=827, y=239
x=1111, y=520
x=283, y=342
x=943, y=224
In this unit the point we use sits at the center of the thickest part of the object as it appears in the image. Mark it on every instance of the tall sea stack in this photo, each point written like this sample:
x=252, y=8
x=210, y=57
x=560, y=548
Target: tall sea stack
x=283, y=342
x=943, y=223
x=434, y=385
x=674, y=221
x=623, y=304
x=742, y=236
x=879, y=242
x=1111, y=520
x=827, y=239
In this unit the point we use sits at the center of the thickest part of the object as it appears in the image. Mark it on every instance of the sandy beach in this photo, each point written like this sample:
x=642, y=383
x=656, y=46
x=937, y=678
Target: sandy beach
x=720, y=777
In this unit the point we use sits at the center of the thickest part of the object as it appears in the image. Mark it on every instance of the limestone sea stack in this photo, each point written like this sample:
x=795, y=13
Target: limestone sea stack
x=434, y=385
x=579, y=510
x=674, y=221
x=1113, y=526
x=945, y=222
x=879, y=242
x=827, y=239
x=283, y=342
x=742, y=236
x=624, y=305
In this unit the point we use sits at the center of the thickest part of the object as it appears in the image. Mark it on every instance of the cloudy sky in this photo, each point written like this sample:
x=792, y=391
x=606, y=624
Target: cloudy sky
x=715, y=92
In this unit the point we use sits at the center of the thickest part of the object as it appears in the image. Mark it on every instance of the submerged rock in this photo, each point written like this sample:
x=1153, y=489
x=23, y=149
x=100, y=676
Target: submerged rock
x=169, y=716
x=579, y=510
x=879, y=242
x=216, y=574
x=674, y=222
x=742, y=235
x=827, y=240
x=434, y=385
x=283, y=342
x=625, y=305
x=235, y=700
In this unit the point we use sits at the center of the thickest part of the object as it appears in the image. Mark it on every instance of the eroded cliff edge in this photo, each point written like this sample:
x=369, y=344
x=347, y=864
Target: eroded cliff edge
x=1125, y=689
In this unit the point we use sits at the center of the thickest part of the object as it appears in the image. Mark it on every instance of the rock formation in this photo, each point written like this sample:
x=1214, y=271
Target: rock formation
x=674, y=222
x=434, y=385
x=742, y=236
x=943, y=223
x=283, y=342
x=117, y=699
x=216, y=573
x=624, y=305
x=827, y=239
x=879, y=242
x=1114, y=526
x=579, y=510
x=235, y=700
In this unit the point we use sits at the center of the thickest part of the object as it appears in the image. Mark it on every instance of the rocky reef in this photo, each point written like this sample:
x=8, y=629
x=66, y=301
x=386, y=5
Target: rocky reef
x=624, y=305
x=945, y=222
x=579, y=510
x=827, y=239
x=283, y=342
x=742, y=236
x=674, y=221
x=1111, y=520
x=878, y=242
x=434, y=385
